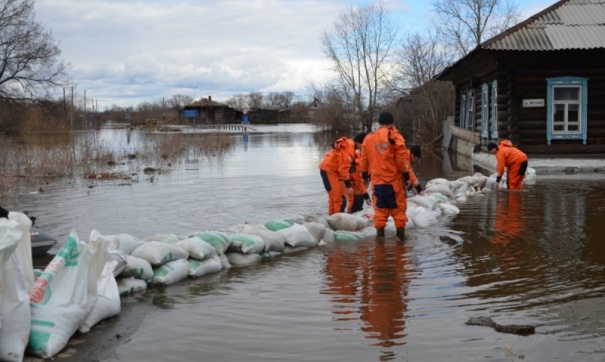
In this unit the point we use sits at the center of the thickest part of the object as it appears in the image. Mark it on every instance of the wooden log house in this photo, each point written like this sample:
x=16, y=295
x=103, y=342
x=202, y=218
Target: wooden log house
x=540, y=83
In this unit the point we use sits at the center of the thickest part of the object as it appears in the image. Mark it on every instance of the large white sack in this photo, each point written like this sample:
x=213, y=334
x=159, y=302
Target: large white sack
x=344, y=221
x=137, y=268
x=224, y=261
x=171, y=272
x=108, y=303
x=297, y=235
x=449, y=209
x=130, y=286
x=158, y=253
x=328, y=236
x=317, y=218
x=246, y=244
x=16, y=277
x=64, y=294
x=481, y=180
x=126, y=243
x=437, y=181
x=197, y=268
x=239, y=259
x=426, y=218
x=440, y=189
x=220, y=240
x=197, y=248
x=345, y=235
x=425, y=201
x=275, y=225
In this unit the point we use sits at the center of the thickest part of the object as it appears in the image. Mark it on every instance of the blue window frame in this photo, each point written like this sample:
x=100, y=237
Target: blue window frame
x=566, y=108
x=485, y=120
x=494, y=115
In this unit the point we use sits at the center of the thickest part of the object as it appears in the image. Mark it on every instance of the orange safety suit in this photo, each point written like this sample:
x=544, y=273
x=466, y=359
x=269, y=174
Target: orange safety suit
x=355, y=201
x=335, y=170
x=386, y=158
x=514, y=160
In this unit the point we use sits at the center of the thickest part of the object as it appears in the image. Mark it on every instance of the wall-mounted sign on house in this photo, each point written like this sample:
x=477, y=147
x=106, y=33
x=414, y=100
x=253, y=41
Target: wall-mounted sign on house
x=533, y=103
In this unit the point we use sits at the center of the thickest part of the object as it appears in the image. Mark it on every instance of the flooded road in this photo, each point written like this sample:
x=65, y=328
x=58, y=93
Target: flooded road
x=533, y=257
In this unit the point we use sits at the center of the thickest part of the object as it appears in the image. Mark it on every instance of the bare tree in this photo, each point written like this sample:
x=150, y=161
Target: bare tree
x=360, y=48
x=464, y=24
x=29, y=64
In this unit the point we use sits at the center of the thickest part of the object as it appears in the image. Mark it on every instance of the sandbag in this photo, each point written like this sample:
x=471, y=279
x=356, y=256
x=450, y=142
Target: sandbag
x=164, y=238
x=64, y=295
x=275, y=225
x=120, y=259
x=246, y=244
x=137, y=268
x=344, y=221
x=218, y=239
x=198, y=268
x=108, y=302
x=345, y=235
x=297, y=235
x=197, y=248
x=126, y=243
x=170, y=272
x=130, y=286
x=273, y=241
x=158, y=253
x=239, y=259
x=316, y=229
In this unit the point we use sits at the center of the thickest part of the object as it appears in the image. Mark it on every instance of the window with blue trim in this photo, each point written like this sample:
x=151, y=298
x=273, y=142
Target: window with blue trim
x=484, y=111
x=566, y=108
x=494, y=115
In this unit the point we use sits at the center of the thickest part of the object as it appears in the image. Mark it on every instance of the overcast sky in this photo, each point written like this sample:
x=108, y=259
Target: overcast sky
x=124, y=52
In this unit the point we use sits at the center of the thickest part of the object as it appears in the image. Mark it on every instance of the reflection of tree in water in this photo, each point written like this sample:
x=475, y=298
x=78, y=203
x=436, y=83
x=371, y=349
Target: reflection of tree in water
x=376, y=276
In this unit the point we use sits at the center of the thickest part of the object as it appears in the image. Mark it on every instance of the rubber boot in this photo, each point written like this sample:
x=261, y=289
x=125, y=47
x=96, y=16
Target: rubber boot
x=401, y=233
x=380, y=233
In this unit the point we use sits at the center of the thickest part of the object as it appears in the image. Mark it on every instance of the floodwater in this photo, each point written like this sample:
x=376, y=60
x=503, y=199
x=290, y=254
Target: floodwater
x=534, y=257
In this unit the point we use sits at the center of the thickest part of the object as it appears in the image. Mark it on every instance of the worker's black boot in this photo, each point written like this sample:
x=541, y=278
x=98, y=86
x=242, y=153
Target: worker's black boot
x=380, y=233
x=401, y=233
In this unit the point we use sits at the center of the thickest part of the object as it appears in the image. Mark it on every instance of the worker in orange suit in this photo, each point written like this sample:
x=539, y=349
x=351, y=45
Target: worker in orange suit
x=335, y=170
x=360, y=191
x=513, y=159
x=385, y=157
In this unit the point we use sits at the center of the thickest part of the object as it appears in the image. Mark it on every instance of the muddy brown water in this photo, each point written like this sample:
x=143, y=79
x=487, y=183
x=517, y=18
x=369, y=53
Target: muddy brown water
x=534, y=257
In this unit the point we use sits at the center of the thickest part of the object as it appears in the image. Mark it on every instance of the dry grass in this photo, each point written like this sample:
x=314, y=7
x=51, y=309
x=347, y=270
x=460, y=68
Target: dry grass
x=37, y=160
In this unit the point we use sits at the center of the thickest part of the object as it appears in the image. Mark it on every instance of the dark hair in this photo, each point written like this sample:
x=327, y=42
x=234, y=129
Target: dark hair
x=385, y=118
x=360, y=137
x=491, y=146
x=416, y=151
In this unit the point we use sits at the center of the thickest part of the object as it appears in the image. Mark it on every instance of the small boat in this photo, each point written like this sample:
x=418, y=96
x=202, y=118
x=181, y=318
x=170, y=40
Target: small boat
x=41, y=242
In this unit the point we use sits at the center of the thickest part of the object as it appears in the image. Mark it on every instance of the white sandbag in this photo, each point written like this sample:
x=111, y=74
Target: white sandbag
x=137, y=268
x=224, y=261
x=427, y=202
x=273, y=241
x=440, y=198
x=449, y=209
x=64, y=295
x=171, y=272
x=108, y=303
x=328, y=236
x=164, y=238
x=317, y=218
x=368, y=232
x=481, y=179
x=275, y=225
x=158, y=253
x=438, y=181
x=345, y=235
x=197, y=248
x=126, y=243
x=246, y=244
x=16, y=277
x=120, y=259
x=471, y=180
x=297, y=235
x=218, y=239
x=316, y=229
x=267, y=255
x=239, y=259
x=425, y=219
x=530, y=176
x=130, y=286
x=344, y=221
x=197, y=268
x=440, y=189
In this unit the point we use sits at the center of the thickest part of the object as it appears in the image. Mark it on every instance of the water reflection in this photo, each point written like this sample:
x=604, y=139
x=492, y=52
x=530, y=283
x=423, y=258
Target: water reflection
x=509, y=224
x=369, y=282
